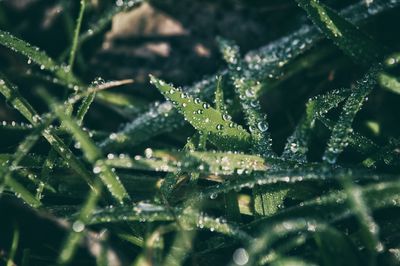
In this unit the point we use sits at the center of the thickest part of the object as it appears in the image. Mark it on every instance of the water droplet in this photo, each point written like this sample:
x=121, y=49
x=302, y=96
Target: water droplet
x=148, y=153
x=262, y=126
x=240, y=256
x=226, y=117
x=96, y=169
x=113, y=136
x=78, y=226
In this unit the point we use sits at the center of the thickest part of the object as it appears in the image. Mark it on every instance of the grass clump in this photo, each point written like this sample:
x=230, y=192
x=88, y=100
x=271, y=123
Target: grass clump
x=288, y=157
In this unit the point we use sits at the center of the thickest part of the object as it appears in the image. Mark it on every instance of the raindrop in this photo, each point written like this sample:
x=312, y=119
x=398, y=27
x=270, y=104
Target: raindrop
x=96, y=169
x=78, y=226
x=240, y=256
x=262, y=126
x=213, y=196
x=148, y=153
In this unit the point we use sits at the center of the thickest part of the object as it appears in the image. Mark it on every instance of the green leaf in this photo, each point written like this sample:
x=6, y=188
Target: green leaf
x=343, y=33
x=220, y=129
x=369, y=228
x=74, y=47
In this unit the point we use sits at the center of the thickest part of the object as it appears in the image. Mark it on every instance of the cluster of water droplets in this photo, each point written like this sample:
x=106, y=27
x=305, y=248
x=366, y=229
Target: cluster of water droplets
x=247, y=88
x=127, y=3
x=343, y=127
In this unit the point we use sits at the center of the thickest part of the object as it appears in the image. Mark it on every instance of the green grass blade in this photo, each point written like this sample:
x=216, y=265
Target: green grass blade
x=369, y=228
x=14, y=246
x=91, y=152
x=296, y=147
x=78, y=226
x=217, y=163
x=246, y=89
x=340, y=133
x=35, y=55
x=13, y=96
x=220, y=129
x=77, y=30
x=344, y=34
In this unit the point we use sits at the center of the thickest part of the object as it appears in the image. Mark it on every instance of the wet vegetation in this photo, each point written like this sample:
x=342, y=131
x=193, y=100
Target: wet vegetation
x=183, y=144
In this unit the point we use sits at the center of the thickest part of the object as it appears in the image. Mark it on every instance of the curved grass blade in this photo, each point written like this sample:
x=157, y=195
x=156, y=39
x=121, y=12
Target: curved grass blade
x=14, y=246
x=13, y=96
x=23, y=148
x=333, y=207
x=35, y=55
x=221, y=131
x=296, y=147
x=89, y=96
x=287, y=176
x=147, y=212
x=344, y=34
x=217, y=163
x=78, y=227
x=271, y=234
x=340, y=133
x=246, y=89
x=77, y=30
x=91, y=152
x=369, y=228
x=361, y=143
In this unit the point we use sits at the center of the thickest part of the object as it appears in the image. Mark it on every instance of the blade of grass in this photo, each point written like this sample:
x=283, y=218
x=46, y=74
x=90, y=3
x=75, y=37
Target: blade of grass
x=13, y=96
x=77, y=30
x=360, y=47
x=207, y=120
x=75, y=236
x=35, y=55
x=91, y=152
x=14, y=246
x=340, y=133
x=246, y=88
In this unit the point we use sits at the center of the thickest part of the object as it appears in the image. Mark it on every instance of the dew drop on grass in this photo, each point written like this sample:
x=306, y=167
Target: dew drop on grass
x=148, y=153
x=96, y=170
x=240, y=256
x=226, y=117
x=78, y=226
x=294, y=148
x=262, y=126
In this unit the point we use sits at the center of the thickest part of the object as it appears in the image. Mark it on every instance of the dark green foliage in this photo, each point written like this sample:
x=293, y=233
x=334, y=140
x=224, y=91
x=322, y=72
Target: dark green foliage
x=290, y=156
